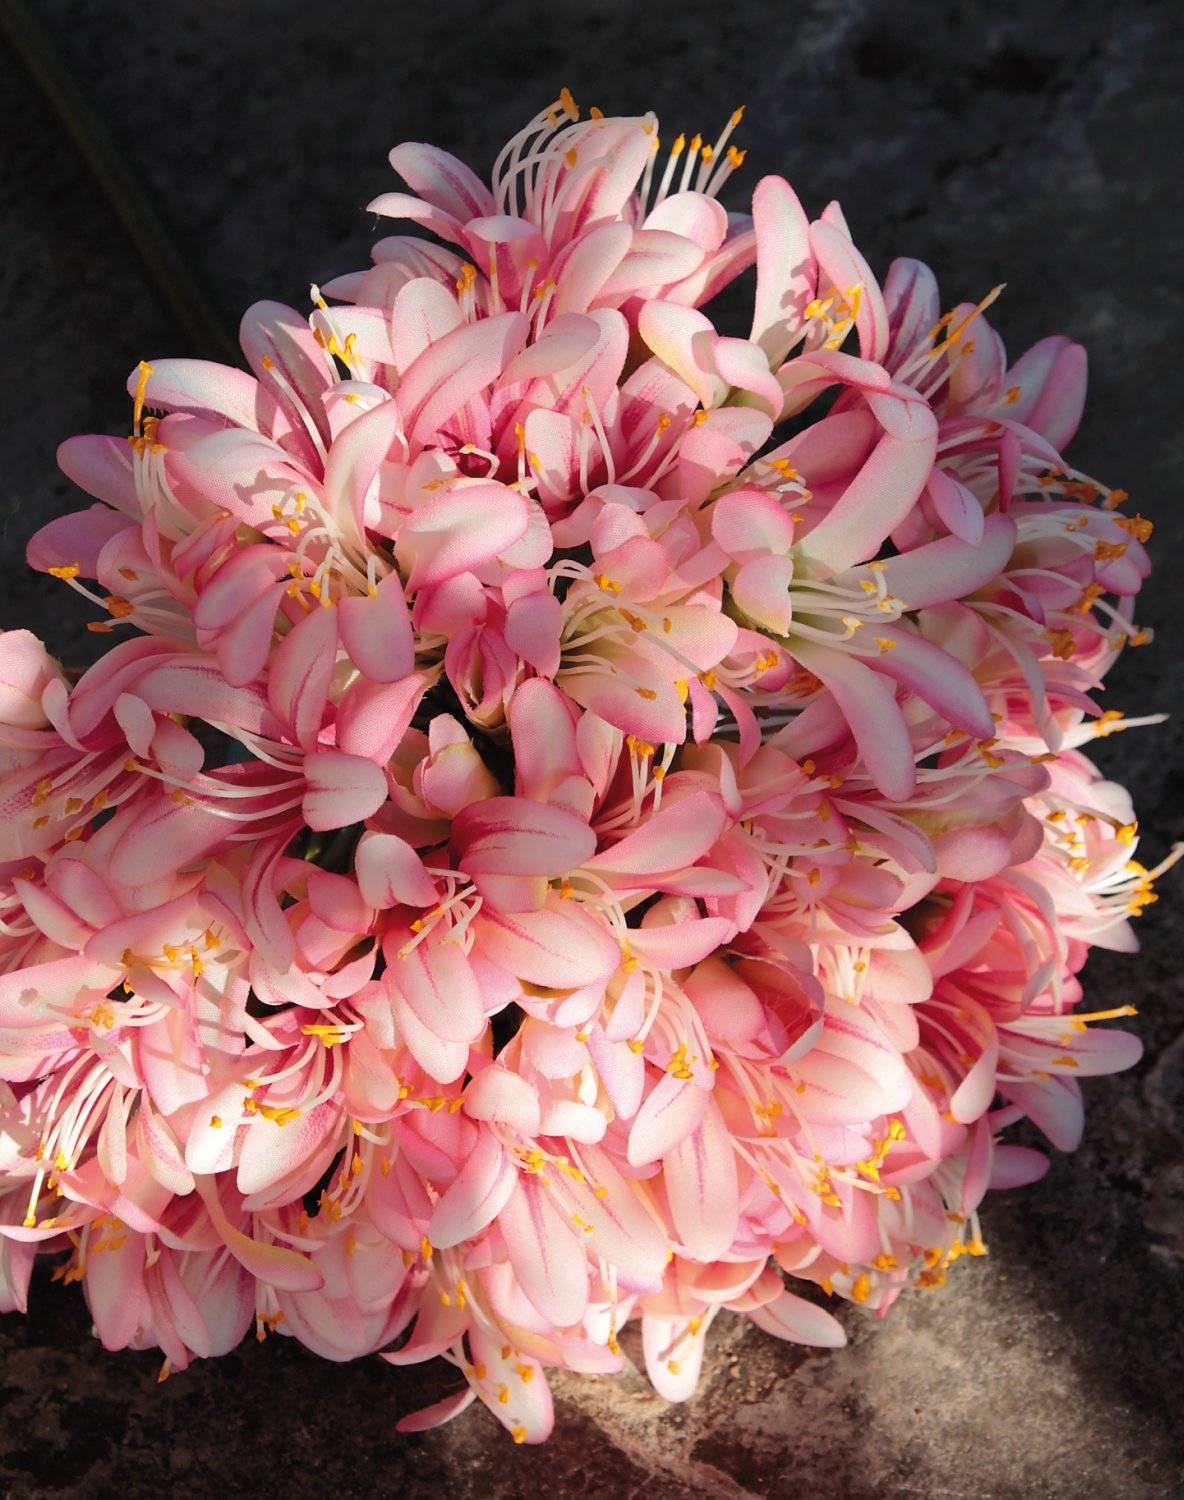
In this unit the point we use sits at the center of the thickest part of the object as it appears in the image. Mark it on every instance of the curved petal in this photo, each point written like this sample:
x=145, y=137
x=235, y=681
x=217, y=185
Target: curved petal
x=951, y=568
x=376, y=632
x=437, y=982
x=513, y=836
x=476, y=1195
x=463, y=528
x=300, y=672
x=786, y=272
x=546, y=1256
x=341, y=789
x=800, y=1322
x=554, y=948
x=703, y=1188
x=869, y=706
x=881, y=493
x=390, y=873
x=672, y=1111
x=441, y=179
x=841, y=264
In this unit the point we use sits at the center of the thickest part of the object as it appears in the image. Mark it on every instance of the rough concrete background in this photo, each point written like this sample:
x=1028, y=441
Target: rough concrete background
x=1031, y=141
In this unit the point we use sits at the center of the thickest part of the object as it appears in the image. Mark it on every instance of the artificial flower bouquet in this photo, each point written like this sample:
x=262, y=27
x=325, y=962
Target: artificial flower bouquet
x=580, y=818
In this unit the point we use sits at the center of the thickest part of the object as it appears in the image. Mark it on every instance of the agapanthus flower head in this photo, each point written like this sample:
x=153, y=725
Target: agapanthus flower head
x=549, y=844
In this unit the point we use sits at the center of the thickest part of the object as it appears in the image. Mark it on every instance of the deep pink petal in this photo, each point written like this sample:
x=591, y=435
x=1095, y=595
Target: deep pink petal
x=280, y=348
x=957, y=507
x=77, y=538
x=448, y=373
x=880, y=494
x=656, y=258
x=1051, y=379
x=680, y=944
x=913, y=305
x=934, y=675
x=407, y=206
x=358, y=452
x=586, y=265
x=373, y=717
x=533, y=631
x=438, y=1412
x=973, y=1096
x=103, y=467
x=1016, y=1166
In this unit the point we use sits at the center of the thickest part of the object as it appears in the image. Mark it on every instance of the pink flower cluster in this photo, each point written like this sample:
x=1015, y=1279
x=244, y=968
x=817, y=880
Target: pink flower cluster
x=566, y=830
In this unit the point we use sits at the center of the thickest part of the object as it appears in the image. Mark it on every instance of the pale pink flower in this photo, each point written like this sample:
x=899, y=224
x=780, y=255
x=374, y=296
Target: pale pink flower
x=551, y=850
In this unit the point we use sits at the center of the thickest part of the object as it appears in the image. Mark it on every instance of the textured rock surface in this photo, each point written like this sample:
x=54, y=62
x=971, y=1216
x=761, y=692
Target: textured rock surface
x=1028, y=142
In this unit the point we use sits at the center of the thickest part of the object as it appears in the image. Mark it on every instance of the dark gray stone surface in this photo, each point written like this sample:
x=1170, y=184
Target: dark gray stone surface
x=1028, y=142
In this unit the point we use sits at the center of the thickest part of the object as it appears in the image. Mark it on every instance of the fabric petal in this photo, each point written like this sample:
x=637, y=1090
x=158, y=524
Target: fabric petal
x=703, y=1188
x=476, y=1196
x=800, y=1322
x=341, y=789
x=546, y=1256
x=672, y=1111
